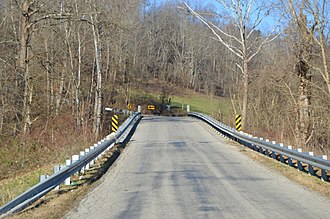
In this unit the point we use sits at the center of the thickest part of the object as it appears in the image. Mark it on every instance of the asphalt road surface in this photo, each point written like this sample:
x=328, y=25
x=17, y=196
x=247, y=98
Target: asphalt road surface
x=178, y=168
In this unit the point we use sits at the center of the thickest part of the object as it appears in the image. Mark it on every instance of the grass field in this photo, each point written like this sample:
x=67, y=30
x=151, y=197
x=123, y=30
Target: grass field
x=214, y=106
x=217, y=107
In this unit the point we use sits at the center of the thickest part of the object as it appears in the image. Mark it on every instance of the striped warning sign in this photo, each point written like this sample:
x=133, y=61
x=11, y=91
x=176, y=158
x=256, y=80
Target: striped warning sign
x=238, y=122
x=114, y=123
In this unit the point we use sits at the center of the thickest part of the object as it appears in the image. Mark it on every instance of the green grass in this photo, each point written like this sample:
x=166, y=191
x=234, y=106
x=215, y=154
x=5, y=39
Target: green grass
x=218, y=107
x=213, y=106
x=203, y=103
x=11, y=188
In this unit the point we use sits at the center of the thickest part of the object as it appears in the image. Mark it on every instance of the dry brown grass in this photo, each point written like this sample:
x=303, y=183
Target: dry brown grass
x=22, y=160
x=310, y=182
x=54, y=205
x=49, y=143
x=57, y=204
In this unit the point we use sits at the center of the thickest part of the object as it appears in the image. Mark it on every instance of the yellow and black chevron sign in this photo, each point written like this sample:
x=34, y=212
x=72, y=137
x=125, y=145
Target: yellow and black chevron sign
x=238, y=122
x=114, y=123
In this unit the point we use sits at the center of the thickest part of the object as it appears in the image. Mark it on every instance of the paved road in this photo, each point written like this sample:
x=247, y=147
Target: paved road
x=177, y=168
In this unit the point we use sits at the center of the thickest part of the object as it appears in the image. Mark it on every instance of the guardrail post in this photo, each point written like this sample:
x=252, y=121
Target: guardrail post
x=260, y=149
x=282, y=159
x=43, y=178
x=267, y=152
x=324, y=174
x=299, y=163
x=74, y=158
x=103, y=152
x=56, y=169
x=253, y=146
x=274, y=155
x=81, y=155
x=91, y=148
x=290, y=161
x=311, y=170
x=86, y=152
x=67, y=181
x=95, y=146
x=62, y=166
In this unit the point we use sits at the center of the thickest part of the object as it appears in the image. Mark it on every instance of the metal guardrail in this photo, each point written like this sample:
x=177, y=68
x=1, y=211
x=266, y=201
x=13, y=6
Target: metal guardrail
x=273, y=149
x=50, y=183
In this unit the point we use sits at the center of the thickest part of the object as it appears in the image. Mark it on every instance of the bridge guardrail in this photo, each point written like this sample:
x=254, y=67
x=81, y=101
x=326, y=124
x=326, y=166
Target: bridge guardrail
x=273, y=149
x=42, y=188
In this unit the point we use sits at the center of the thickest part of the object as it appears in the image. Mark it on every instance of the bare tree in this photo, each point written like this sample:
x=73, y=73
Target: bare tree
x=245, y=16
x=309, y=19
x=98, y=61
x=30, y=16
x=316, y=27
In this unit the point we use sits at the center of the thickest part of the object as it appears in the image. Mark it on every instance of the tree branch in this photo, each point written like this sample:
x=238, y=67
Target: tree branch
x=190, y=10
x=51, y=16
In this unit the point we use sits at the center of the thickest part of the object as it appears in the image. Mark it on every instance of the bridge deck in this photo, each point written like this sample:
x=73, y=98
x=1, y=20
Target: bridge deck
x=177, y=168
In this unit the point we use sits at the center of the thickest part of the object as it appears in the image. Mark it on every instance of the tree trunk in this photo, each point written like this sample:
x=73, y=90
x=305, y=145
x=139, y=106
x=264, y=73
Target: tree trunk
x=60, y=91
x=303, y=70
x=304, y=102
x=245, y=93
x=107, y=69
x=90, y=101
x=192, y=74
x=98, y=92
x=78, y=77
x=78, y=84
x=46, y=66
x=2, y=114
x=326, y=74
x=23, y=66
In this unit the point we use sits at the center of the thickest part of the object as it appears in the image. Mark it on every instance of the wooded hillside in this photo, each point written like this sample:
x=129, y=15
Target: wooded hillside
x=67, y=60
